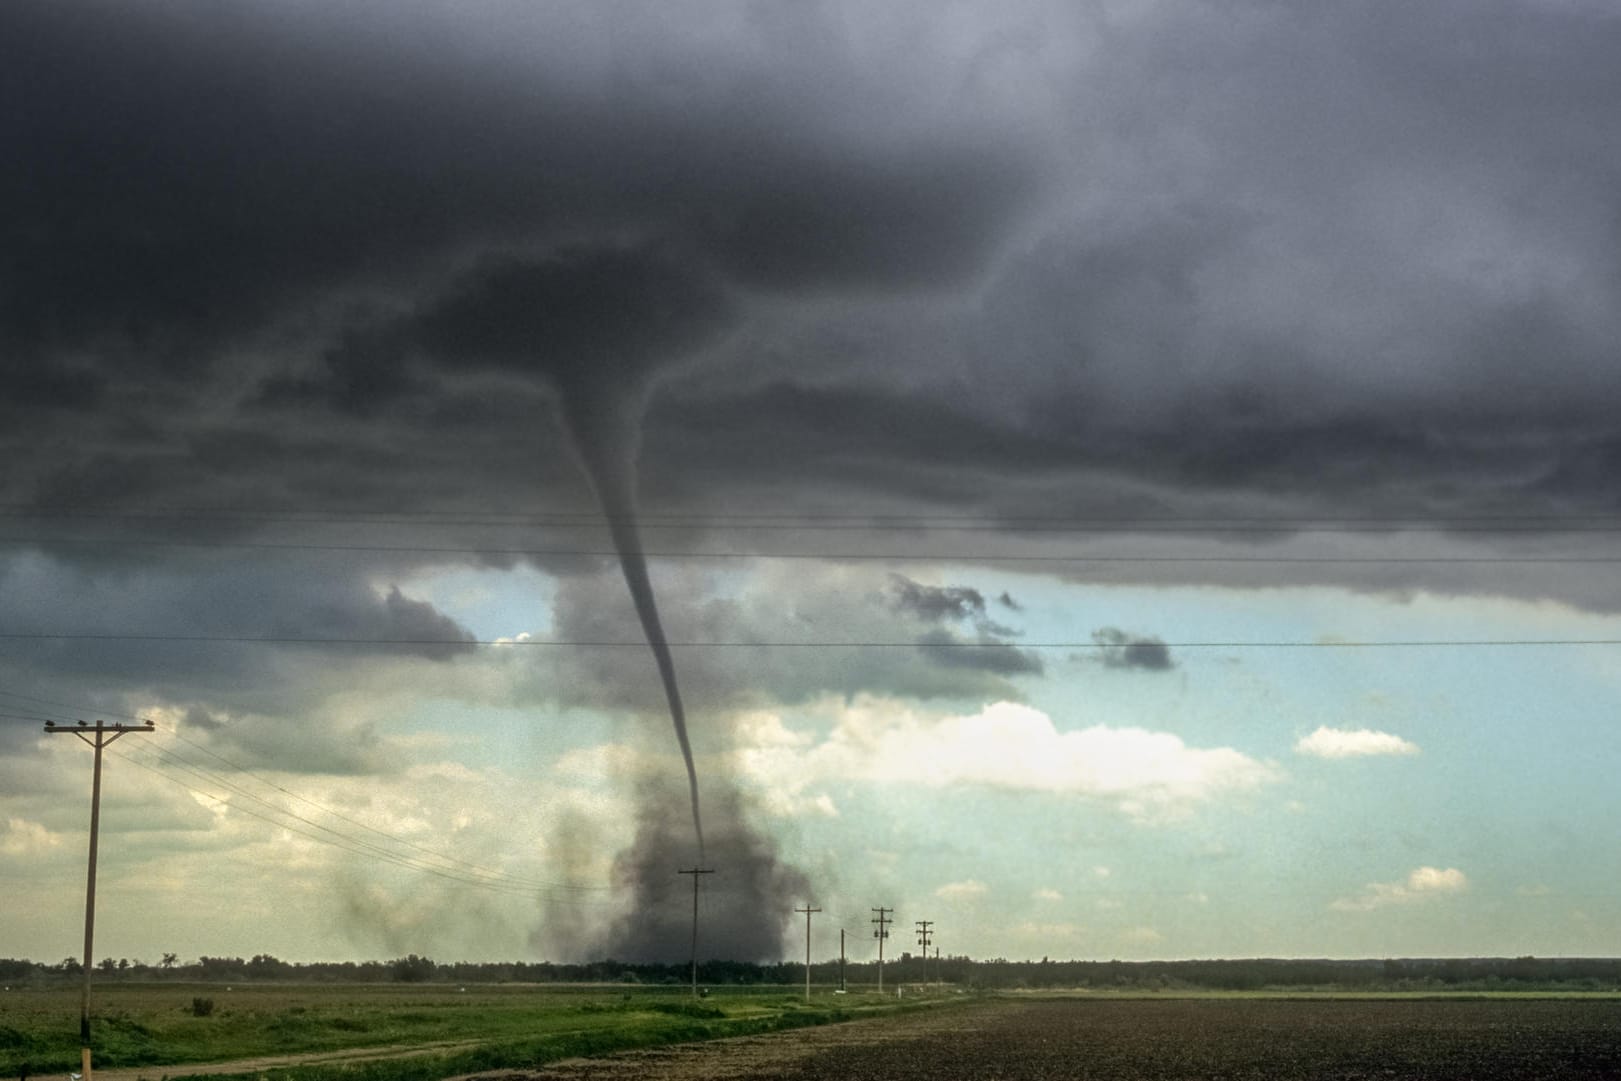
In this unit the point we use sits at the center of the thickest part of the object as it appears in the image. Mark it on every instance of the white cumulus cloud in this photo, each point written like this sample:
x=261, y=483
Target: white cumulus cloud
x=1422, y=884
x=25, y=838
x=967, y=890
x=1352, y=743
x=1005, y=745
x=1046, y=932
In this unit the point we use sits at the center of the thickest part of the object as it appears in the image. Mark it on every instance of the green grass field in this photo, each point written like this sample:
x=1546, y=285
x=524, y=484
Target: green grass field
x=488, y=1026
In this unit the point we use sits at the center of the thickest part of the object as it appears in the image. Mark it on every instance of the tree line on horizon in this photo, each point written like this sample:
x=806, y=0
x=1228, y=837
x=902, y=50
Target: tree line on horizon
x=1483, y=973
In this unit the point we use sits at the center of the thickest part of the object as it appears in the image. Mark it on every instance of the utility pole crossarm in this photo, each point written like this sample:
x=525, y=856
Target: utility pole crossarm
x=98, y=730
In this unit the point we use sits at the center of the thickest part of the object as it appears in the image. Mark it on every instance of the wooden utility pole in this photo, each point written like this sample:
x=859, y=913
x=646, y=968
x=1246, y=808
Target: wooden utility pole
x=96, y=735
x=923, y=940
x=807, y=910
x=695, y=872
x=881, y=934
x=841, y=959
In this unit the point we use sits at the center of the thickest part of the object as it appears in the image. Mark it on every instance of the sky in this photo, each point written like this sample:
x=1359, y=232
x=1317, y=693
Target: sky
x=1132, y=479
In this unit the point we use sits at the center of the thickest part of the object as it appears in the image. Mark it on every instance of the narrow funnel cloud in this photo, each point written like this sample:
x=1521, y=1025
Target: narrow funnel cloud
x=607, y=439
x=599, y=323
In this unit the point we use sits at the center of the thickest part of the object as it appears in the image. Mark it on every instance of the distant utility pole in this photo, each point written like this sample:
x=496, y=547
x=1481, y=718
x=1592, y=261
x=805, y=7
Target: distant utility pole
x=695, y=872
x=807, y=910
x=97, y=736
x=841, y=959
x=881, y=934
x=923, y=940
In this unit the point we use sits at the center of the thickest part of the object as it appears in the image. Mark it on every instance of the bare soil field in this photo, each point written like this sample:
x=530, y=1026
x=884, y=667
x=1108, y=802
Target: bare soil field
x=1166, y=1040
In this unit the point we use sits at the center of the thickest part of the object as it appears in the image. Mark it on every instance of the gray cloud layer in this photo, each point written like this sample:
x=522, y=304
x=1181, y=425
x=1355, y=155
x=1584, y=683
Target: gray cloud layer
x=1175, y=260
x=1361, y=257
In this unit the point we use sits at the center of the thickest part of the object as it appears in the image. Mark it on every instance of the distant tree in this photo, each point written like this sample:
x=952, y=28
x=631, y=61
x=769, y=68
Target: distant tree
x=107, y=964
x=169, y=960
x=14, y=969
x=222, y=968
x=412, y=969
x=264, y=967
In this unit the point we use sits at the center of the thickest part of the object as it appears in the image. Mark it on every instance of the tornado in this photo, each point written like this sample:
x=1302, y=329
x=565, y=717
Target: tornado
x=606, y=437
x=600, y=325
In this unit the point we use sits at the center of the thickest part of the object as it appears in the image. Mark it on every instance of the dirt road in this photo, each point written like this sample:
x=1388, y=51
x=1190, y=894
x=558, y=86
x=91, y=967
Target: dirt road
x=774, y=1055
x=270, y=1062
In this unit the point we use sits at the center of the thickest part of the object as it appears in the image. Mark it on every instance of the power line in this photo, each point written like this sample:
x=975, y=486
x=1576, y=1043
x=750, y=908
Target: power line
x=27, y=717
x=834, y=557
x=335, y=838
x=169, y=758
x=800, y=519
x=77, y=707
x=471, y=867
x=576, y=643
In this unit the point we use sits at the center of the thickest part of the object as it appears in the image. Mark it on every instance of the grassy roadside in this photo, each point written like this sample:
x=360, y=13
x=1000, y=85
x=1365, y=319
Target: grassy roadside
x=640, y=1030
x=510, y=1026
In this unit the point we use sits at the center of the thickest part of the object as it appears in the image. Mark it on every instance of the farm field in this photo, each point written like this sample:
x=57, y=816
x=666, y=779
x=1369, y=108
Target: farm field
x=1119, y=1039
x=146, y=1028
x=517, y=1032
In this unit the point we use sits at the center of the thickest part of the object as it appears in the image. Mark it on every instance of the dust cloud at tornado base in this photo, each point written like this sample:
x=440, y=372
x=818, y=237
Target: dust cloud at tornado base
x=745, y=903
x=745, y=907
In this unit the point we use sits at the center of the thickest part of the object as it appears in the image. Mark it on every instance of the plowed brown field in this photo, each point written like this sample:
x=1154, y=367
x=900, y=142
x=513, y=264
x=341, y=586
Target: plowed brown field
x=1166, y=1040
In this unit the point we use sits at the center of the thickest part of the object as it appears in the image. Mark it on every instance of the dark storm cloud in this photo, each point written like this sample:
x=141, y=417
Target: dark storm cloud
x=267, y=701
x=401, y=619
x=181, y=177
x=202, y=720
x=988, y=651
x=1194, y=258
x=1387, y=280
x=803, y=604
x=1119, y=649
x=583, y=317
x=590, y=326
x=986, y=654
x=936, y=602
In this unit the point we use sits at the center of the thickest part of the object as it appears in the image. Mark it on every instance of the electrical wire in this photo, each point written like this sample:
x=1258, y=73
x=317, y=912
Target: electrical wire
x=447, y=866
x=575, y=643
x=855, y=522
x=832, y=557
x=163, y=762
x=349, y=845
x=471, y=867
